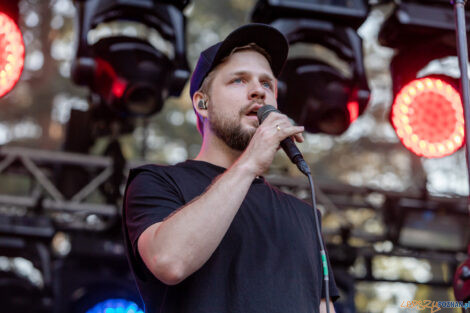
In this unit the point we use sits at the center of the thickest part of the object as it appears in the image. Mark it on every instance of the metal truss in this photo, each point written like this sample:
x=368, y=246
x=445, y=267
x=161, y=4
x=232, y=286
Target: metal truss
x=38, y=164
x=38, y=167
x=43, y=210
x=391, y=209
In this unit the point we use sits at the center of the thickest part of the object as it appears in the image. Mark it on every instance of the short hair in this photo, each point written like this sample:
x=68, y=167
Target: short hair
x=207, y=82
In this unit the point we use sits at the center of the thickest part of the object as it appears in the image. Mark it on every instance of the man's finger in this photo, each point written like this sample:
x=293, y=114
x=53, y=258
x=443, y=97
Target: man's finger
x=298, y=138
x=291, y=130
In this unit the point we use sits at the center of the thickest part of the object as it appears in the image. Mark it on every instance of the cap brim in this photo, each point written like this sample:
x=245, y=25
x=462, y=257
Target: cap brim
x=263, y=35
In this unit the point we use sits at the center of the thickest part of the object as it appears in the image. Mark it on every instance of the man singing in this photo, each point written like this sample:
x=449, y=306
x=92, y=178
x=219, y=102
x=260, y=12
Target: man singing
x=210, y=235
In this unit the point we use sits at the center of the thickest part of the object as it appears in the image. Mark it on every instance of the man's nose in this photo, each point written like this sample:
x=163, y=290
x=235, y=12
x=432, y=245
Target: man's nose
x=257, y=92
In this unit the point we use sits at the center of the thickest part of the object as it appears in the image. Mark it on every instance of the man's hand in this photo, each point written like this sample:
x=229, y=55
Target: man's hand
x=259, y=154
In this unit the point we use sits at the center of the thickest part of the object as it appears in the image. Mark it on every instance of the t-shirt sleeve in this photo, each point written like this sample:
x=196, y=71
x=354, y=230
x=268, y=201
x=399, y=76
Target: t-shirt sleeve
x=150, y=198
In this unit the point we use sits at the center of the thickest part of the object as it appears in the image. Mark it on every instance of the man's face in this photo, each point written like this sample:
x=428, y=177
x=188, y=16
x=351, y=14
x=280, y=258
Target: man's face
x=241, y=84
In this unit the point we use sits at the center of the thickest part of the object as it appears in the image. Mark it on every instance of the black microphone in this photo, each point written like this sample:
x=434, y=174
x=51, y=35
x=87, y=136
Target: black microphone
x=286, y=144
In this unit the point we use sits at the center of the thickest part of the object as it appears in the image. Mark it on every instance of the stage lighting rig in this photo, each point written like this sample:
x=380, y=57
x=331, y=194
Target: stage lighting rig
x=11, y=47
x=131, y=75
x=427, y=111
x=312, y=92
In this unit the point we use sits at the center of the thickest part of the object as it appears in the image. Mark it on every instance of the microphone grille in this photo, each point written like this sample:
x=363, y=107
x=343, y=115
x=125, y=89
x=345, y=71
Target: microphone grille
x=264, y=111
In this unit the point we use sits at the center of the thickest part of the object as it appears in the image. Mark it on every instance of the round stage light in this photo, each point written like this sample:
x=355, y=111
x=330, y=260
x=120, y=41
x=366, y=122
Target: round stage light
x=11, y=54
x=427, y=115
x=115, y=306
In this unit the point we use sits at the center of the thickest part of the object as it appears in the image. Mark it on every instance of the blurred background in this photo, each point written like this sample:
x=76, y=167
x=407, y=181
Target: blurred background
x=98, y=87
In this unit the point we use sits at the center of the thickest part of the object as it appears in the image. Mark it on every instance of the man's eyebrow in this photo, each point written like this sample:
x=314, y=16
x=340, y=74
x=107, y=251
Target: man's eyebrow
x=243, y=73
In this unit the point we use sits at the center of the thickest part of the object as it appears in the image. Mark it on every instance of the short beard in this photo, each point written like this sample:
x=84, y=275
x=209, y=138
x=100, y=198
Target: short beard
x=229, y=131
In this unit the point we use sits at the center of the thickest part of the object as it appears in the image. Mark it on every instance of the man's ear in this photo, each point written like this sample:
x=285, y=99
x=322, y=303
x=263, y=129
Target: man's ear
x=197, y=97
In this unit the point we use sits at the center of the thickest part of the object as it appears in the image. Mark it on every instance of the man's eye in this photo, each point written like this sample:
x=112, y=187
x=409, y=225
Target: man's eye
x=267, y=84
x=237, y=80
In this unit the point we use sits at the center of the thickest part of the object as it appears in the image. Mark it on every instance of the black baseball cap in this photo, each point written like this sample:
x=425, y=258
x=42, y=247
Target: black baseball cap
x=263, y=35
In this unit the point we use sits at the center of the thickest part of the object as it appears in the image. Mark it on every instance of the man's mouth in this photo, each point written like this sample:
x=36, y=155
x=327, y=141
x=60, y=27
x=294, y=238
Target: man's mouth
x=252, y=113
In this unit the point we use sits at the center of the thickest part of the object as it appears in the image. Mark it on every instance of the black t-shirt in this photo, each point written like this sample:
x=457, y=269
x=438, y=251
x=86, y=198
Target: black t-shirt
x=268, y=261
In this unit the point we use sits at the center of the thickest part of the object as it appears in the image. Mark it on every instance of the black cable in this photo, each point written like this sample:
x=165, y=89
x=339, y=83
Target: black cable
x=326, y=277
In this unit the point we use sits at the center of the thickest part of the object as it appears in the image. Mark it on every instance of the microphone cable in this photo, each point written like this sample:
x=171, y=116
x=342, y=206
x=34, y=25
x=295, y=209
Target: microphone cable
x=326, y=278
x=296, y=157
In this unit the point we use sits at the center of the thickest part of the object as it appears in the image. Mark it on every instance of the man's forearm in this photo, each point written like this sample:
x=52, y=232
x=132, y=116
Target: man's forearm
x=184, y=241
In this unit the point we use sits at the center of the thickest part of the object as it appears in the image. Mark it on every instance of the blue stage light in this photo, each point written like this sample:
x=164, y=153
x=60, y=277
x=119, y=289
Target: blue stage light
x=115, y=306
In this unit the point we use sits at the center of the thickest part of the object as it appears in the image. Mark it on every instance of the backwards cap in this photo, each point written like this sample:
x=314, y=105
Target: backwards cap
x=263, y=35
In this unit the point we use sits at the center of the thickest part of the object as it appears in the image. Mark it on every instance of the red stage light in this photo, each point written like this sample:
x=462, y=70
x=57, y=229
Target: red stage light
x=353, y=108
x=11, y=54
x=118, y=88
x=428, y=117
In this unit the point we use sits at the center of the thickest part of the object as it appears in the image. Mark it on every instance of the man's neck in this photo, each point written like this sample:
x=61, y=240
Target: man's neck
x=215, y=151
